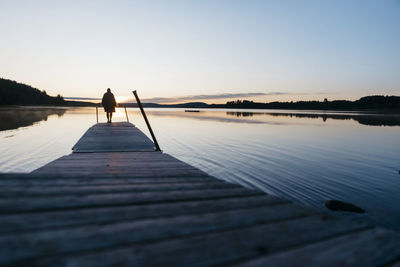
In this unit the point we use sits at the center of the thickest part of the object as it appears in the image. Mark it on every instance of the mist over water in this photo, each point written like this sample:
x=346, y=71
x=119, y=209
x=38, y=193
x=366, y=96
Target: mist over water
x=307, y=157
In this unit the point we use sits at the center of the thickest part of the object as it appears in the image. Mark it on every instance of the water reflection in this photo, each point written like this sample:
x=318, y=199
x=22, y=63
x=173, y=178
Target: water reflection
x=365, y=119
x=279, y=117
x=307, y=157
x=14, y=118
x=243, y=114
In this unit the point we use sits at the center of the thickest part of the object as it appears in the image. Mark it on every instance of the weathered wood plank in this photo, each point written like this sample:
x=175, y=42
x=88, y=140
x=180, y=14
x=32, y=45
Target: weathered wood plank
x=102, y=189
x=213, y=248
x=373, y=247
x=117, y=163
x=126, y=160
x=110, y=148
x=92, y=215
x=127, y=168
x=123, y=166
x=118, y=172
x=127, y=164
x=23, y=204
x=79, y=239
x=122, y=175
x=14, y=180
x=120, y=155
x=120, y=164
x=124, y=138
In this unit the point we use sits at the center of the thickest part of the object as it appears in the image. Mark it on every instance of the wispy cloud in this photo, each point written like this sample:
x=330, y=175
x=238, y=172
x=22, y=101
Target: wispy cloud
x=81, y=98
x=208, y=97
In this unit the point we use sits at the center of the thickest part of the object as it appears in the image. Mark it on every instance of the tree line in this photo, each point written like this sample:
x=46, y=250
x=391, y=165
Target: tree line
x=14, y=93
x=375, y=102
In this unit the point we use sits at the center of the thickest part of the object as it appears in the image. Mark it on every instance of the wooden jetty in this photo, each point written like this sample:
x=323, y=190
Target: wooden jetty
x=115, y=201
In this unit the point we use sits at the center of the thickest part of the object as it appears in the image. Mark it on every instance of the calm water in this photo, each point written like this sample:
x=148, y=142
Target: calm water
x=307, y=157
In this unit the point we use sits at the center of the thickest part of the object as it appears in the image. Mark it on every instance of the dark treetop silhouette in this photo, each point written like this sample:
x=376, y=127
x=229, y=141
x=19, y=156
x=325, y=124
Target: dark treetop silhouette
x=109, y=104
x=13, y=93
x=373, y=103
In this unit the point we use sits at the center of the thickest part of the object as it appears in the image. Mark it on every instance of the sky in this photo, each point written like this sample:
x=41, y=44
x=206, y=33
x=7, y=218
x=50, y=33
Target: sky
x=209, y=51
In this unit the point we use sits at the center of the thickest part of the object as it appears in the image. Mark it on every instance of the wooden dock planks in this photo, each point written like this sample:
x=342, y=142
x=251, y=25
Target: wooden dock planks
x=120, y=164
x=145, y=208
x=116, y=136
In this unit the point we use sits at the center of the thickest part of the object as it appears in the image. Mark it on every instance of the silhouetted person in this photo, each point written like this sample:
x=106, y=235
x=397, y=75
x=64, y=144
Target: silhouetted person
x=109, y=104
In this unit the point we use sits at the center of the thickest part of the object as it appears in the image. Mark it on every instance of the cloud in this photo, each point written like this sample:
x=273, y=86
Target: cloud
x=81, y=98
x=208, y=97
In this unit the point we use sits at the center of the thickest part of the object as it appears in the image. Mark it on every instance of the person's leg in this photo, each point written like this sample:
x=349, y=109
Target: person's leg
x=110, y=116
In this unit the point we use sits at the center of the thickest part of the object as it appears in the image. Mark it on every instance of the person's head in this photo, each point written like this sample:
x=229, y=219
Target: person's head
x=108, y=90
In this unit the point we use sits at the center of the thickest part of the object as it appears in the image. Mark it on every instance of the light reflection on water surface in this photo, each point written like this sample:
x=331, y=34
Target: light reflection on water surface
x=308, y=157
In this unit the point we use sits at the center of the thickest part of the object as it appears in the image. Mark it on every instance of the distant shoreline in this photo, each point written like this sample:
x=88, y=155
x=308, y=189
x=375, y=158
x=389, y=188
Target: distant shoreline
x=15, y=116
x=13, y=93
x=361, y=111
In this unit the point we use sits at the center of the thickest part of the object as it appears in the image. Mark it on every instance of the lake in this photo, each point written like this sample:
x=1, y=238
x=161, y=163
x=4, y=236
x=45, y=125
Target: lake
x=305, y=156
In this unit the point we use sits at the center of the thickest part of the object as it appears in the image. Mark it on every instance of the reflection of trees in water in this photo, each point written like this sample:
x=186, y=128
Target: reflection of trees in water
x=379, y=120
x=374, y=120
x=241, y=114
x=13, y=118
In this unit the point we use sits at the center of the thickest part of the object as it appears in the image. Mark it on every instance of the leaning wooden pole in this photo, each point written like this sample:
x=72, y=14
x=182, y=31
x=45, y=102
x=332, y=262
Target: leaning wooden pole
x=126, y=114
x=146, y=120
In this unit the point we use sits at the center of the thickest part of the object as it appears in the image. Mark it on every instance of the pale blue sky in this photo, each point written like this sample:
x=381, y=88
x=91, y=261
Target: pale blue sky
x=298, y=49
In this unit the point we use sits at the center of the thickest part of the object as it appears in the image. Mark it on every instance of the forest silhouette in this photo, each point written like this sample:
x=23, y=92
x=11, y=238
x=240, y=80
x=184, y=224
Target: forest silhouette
x=375, y=102
x=14, y=93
